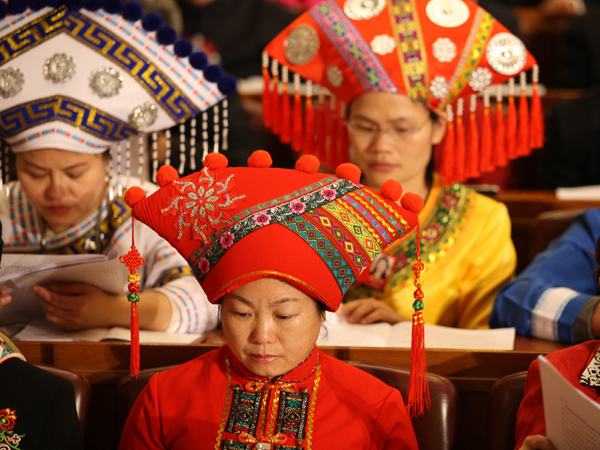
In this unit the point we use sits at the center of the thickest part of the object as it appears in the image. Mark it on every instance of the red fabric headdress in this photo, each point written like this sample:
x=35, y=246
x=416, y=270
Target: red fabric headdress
x=438, y=52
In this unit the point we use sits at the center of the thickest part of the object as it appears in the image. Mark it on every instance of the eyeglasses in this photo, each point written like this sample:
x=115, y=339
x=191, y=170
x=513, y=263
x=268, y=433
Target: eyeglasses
x=367, y=130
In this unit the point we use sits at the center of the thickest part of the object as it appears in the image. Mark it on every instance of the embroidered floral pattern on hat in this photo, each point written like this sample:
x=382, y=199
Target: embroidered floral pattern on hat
x=106, y=82
x=11, y=82
x=383, y=44
x=363, y=9
x=506, y=53
x=480, y=79
x=447, y=13
x=335, y=77
x=201, y=207
x=301, y=45
x=444, y=50
x=439, y=87
x=143, y=116
x=59, y=68
x=591, y=374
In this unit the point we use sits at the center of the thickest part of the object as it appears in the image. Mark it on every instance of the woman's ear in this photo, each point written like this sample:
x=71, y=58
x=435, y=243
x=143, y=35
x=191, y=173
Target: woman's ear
x=439, y=126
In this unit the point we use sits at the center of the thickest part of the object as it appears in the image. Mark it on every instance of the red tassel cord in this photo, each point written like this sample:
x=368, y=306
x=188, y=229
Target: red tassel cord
x=286, y=125
x=447, y=163
x=418, y=398
x=500, y=156
x=536, y=129
x=486, y=137
x=511, y=122
x=297, y=126
x=133, y=261
x=330, y=151
x=275, y=101
x=472, y=170
x=523, y=126
x=320, y=124
x=266, y=94
x=309, y=134
x=460, y=150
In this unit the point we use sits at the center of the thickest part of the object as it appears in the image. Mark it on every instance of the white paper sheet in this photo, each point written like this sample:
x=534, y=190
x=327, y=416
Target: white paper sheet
x=579, y=193
x=572, y=418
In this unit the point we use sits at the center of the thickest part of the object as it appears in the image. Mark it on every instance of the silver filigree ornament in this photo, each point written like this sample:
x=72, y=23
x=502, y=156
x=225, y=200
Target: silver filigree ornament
x=105, y=82
x=59, y=68
x=334, y=75
x=480, y=79
x=301, y=45
x=143, y=116
x=383, y=44
x=11, y=82
x=363, y=9
x=447, y=13
x=444, y=50
x=439, y=87
x=506, y=53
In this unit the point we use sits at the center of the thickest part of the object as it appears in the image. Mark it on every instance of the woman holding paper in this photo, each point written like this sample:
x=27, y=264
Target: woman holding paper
x=404, y=77
x=69, y=110
x=289, y=243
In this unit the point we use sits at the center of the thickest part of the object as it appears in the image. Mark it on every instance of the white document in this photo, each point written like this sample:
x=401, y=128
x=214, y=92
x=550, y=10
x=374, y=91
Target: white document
x=20, y=272
x=44, y=330
x=578, y=193
x=337, y=332
x=572, y=418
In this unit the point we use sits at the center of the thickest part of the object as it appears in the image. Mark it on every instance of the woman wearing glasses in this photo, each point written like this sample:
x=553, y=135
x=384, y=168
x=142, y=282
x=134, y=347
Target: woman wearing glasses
x=404, y=76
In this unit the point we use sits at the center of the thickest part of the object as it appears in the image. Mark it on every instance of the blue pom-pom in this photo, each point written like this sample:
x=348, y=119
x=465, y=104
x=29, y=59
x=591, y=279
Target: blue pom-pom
x=112, y=6
x=133, y=11
x=227, y=85
x=92, y=5
x=74, y=5
x=17, y=6
x=55, y=3
x=152, y=21
x=166, y=35
x=36, y=5
x=3, y=10
x=198, y=60
x=213, y=73
x=183, y=48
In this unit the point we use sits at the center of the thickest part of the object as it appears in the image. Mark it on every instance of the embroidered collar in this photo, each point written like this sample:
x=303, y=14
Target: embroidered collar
x=591, y=374
x=299, y=373
x=8, y=349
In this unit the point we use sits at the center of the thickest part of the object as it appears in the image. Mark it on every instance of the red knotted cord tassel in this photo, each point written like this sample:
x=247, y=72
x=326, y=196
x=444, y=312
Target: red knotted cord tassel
x=472, y=170
x=297, y=123
x=266, y=94
x=511, y=122
x=460, y=150
x=486, y=137
x=133, y=261
x=275, y=101
x=536, y=130
x=447, y=163
x=418, y=399
x=286, y=125
x=523, y=127
x=500, y=156
x=320, y=123
x=309, y=114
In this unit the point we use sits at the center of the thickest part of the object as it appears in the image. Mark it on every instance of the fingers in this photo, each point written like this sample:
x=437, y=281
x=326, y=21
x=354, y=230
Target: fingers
x=57, y=309
x=5, y=297
x=537, y=442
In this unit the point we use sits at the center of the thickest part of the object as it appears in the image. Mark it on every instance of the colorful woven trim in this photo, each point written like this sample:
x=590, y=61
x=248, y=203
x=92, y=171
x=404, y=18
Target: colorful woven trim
x=103, y=41
x=276, y=211
x=173, y=274
x=63, y=109
x=469, y=59
x=349, y=42
x=411, y=49
x=82, y=139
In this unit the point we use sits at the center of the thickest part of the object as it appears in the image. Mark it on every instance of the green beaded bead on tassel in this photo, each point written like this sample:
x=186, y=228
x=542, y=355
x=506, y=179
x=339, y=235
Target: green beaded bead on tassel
x=133, y=298
x=418, y=305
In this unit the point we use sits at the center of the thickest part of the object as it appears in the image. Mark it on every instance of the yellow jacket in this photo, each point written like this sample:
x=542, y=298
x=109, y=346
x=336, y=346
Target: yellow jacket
x=468, y=254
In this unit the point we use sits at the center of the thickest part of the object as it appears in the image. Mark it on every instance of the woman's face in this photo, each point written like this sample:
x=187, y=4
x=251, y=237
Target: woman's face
x=64, y=187
x=270, y=326
x=402, y=148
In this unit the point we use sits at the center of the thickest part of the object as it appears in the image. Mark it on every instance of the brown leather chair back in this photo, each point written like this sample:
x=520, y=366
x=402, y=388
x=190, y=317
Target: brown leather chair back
x=505, y=397
x=547, y=226
x=435, y=430
x=81, y=386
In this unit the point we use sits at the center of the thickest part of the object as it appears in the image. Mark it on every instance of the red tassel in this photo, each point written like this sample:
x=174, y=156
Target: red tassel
x=133, y=261
x=460, y=150
x=486, y=138
x=286, y=126
x=472, y=170
x=500, y=156
x=330, y=154
x=275, y=101
x=536, y=130
x=511, y=129
x=448, y=153
x=266, y=94
x=418, y=399
x=309, y=135
x=320, y=138
x=297, y=126
x=340, y=131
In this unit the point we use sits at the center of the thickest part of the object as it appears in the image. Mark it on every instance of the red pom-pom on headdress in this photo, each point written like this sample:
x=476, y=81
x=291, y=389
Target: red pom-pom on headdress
x=308, y=164
x=348, y=171
x=260, y=159
x=391, y=190
x=215, y=161
x=133, y=195
x=412, y=202
x=166, y=175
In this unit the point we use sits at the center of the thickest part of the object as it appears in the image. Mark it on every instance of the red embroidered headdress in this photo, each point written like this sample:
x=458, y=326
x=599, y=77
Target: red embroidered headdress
x=443, y=53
